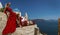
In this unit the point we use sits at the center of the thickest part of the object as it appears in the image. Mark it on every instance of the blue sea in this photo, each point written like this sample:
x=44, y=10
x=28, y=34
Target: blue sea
x=50, y=28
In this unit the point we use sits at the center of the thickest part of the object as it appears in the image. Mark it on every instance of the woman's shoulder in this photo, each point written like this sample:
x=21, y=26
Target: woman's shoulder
x=7, y=7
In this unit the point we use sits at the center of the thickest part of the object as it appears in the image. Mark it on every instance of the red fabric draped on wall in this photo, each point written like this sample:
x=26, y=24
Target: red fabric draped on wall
x=11, y=22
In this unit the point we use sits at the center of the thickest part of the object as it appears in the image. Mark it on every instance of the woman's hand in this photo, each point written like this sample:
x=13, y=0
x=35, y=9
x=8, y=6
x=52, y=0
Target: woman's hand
x=8, y=14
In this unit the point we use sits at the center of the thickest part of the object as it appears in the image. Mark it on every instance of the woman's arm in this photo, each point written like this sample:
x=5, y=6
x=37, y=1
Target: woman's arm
x=5, y=11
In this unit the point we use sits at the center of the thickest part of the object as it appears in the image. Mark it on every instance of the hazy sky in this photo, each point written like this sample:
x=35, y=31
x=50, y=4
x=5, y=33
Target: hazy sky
x=46, y=9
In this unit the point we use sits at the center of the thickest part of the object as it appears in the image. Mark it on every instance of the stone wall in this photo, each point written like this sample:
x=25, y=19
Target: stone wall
x=27, y=30
x=59, y=26
x=3, y=20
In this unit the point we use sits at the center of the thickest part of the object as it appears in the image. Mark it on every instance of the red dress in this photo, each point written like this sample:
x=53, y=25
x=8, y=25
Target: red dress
x=11, y=22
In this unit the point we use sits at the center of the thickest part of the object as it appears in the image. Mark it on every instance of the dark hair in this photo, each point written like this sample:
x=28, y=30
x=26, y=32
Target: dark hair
x=8, y=4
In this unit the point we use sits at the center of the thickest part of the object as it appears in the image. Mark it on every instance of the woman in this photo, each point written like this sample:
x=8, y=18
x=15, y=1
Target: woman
x=17, y=20
x=11, y=21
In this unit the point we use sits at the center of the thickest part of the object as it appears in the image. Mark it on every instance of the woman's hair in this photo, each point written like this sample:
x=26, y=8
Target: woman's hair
x=8, y=4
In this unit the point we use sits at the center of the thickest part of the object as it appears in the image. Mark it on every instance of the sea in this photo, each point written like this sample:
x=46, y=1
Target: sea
x=50, y=28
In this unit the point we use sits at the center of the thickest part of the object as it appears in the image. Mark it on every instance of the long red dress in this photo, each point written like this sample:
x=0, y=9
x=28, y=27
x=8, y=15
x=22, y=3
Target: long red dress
x=11, y=22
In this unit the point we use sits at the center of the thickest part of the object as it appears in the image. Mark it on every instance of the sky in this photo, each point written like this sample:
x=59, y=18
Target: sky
x=36, y=9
